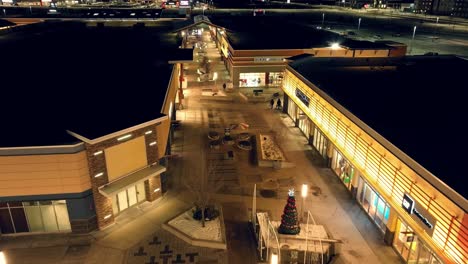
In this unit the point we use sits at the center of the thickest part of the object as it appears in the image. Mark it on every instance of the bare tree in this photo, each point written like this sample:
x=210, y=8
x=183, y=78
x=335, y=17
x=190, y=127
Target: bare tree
x=204, y=184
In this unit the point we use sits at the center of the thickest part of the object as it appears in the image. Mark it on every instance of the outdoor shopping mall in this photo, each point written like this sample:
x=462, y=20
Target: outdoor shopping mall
x=395, y=169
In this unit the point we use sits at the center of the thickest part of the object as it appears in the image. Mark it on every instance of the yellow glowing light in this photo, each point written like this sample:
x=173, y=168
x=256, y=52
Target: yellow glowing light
x=304, y=190
x=124, y=137
x=335, y=45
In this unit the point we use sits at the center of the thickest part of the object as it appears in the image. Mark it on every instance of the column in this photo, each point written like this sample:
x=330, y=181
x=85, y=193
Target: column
x=390, y=228
x=153, y=188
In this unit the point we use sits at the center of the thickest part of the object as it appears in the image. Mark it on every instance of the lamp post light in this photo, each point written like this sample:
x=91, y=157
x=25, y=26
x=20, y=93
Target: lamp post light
x=323, y=19
x=359, y=24
x=412, y=39
x=304, y=195
x=274, y=258
x=2, y=258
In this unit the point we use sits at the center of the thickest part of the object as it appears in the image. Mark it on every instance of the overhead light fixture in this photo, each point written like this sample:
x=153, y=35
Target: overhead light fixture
x=99, y=175
x=107, y=216
x=148, y=132
x=157, y=189
x=124, y=137
x=98, y=153
x=152, y=143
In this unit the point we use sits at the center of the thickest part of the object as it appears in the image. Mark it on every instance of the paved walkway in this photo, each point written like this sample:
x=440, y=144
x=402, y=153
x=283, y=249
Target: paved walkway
x=137, y=236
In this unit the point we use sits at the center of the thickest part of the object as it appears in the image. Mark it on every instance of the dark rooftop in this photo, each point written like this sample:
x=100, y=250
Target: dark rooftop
x=417, y=103
x=263, y=32
x=92, y=81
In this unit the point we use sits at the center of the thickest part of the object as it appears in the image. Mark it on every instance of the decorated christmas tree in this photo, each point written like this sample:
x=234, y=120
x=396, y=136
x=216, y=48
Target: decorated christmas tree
x=289, y=223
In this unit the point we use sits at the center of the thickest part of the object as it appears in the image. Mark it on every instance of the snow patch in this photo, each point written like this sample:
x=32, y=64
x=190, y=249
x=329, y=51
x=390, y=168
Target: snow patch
x=193, y=228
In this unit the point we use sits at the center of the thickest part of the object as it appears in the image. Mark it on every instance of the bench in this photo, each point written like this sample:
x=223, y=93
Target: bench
x=256, y=92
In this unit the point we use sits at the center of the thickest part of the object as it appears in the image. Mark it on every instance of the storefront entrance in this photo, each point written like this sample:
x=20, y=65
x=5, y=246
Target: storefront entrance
x=377, y=208
x=304, y=123
x=128, y=198
x=411, y=248
x=320, y=142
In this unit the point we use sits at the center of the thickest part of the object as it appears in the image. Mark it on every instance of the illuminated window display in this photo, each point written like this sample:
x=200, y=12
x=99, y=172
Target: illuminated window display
x=275, y=78
x=254, y=79
x=35, y=216
x=320, y=142
x=377, y=208
x=342, y=167
x=411, y=248
x=304, y=123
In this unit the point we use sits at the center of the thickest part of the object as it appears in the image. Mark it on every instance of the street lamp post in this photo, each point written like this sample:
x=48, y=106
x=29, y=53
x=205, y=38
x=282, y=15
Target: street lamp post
x=2, y=258
x=359, y=24
x=323, y=18
x=412, y=39
x=304, y=195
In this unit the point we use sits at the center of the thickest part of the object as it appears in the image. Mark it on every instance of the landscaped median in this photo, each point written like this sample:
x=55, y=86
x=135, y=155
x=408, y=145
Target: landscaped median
x=185, y=227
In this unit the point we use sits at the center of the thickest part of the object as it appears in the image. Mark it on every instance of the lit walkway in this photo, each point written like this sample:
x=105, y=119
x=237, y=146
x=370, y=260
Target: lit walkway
x=333, y=207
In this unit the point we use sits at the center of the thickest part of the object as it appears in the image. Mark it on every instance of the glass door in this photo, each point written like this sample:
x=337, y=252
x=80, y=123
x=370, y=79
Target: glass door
x=132, y=196
x=122, y=199
x=140, y=188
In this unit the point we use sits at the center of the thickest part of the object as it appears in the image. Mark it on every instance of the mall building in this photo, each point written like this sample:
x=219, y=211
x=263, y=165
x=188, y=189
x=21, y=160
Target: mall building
x=82, y=145
x=391, y=129
x=254, y=49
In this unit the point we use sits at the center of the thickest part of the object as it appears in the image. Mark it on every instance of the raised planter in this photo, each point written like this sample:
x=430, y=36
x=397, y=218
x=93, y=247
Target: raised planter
x=213, y=235
x=244, y=144
x=269, y=153
x=213, y=135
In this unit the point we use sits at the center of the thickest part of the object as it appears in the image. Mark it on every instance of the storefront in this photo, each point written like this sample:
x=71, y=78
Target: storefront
x=292, y=109
x=253, y=79
x=410, y=247
x=375, y=206
x=343, y=168
x=320, y=142
x=128, y=198
x=303, y=123
x=34, y=216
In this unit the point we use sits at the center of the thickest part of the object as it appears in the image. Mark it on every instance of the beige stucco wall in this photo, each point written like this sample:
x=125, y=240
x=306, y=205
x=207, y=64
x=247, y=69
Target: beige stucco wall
x=44, y=174
x=126, y=157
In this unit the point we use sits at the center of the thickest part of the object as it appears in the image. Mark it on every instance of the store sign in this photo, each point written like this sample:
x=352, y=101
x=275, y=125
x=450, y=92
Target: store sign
x=302, y=97
x=184, y=4
x=266, y=59
x=419, y=214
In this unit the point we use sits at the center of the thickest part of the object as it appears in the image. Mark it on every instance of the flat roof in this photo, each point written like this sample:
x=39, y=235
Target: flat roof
x=417, y=103
x=264, y=32
x=90, y=80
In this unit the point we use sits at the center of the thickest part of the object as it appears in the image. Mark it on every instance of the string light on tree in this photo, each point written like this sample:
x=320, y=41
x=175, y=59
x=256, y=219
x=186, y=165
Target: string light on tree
x=289, y=222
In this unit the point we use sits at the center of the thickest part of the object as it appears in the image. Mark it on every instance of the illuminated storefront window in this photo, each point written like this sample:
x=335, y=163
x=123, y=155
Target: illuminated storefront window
x=275, y=78
x=342, y=167
x=35, y=216
x=377, y=208
x=254, y=79
x=304, y=123
x=320, y=142
x=411, y=248
x=292, y=109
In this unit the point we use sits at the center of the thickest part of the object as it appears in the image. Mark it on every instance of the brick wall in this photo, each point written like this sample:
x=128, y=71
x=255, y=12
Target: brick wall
x=150, y=186
x=97, y=164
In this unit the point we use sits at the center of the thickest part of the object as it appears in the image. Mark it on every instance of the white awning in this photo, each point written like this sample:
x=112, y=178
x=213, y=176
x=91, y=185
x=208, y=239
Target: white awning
x=112, y=188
